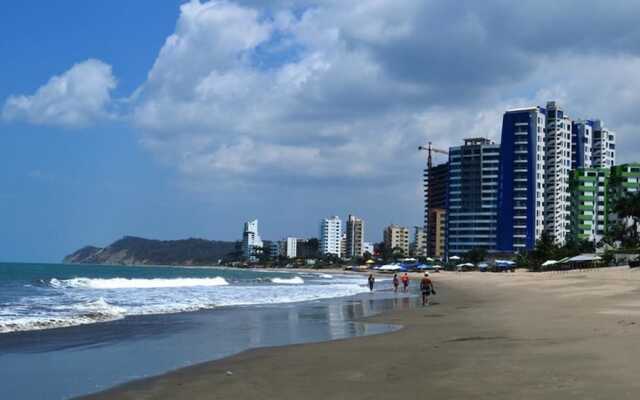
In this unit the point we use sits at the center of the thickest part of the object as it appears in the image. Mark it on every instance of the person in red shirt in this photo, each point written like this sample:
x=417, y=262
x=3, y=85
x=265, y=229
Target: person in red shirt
x=405, y=282
x=426, y=287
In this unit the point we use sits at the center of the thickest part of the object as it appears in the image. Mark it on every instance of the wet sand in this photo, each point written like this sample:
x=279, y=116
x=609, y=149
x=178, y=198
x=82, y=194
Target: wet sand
x=569, y=335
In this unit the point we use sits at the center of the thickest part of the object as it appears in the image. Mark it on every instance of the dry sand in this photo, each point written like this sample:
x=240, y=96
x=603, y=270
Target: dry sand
x=566, y=335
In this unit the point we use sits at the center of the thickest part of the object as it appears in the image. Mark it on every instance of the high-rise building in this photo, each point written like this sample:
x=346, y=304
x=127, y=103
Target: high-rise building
x=355, y=237
x=331, y=236
x=473, y=196
x=521, y=186
x=419, y=245
x=581, y=144
x=437, y=232
x=604, y=146
x=251, y=242
x=589, y=203
x=435, y=186
x=396, y=236
x=557, y=172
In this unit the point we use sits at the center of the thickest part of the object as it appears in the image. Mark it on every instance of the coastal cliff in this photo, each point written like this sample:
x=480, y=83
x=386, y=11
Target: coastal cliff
x=139, y=251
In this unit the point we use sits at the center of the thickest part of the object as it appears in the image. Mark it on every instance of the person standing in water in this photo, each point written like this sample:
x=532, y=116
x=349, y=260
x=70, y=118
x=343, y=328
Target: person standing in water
x=405, y=282
x=372, y=280
x=396, y=283
x=426, y=287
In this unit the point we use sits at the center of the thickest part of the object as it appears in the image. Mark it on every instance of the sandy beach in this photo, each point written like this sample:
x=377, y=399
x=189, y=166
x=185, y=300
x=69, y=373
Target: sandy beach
x=564, y=335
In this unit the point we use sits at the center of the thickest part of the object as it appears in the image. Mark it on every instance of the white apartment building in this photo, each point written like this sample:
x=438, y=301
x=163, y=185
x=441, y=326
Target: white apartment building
x=251, y=242
x=604, y=146
x=331, y=236
x=558, y=171
x=291, y=247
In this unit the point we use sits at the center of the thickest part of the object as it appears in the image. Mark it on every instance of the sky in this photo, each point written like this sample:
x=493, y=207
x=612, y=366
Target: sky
x=179, y=119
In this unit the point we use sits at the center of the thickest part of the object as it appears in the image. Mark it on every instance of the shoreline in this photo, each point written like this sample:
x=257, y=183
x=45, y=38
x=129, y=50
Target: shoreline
x=499, y=336
x=80, y=360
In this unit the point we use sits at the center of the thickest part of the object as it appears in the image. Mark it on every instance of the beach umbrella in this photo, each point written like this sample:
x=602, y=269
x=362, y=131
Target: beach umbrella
x=454, y=258
x=549, y=262
x=465, y=265
x=390, y=268
x=370, y=262
x=429, y=259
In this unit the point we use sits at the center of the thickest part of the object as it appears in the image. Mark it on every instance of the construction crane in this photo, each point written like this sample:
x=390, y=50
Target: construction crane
x=429, y=149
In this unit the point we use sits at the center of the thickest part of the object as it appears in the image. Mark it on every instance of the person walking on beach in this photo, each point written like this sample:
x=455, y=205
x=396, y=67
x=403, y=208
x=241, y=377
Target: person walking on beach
x=426, y=287
x=396, y=283
x=372, y=280
x=405, y=282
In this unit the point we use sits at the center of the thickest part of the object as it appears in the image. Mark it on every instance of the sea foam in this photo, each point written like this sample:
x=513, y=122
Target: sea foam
x=124, y=283
x=296, y=280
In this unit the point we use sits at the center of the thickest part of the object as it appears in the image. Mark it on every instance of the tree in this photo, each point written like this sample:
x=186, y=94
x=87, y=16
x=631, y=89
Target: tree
x=628, y=210
x=475, y=255
x=397, y=253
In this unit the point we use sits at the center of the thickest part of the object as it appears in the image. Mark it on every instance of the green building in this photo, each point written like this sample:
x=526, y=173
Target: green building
x=590, y=210
x=625, y=179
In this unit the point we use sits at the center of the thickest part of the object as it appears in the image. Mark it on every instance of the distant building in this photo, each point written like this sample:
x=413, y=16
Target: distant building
x=331, y=236
x=419, y=245
x=435, y=185
x=251, y=242
x=307, y=248
x=273, y=248
x=604, y=146
x=354, y=237
x=396, y=236
x=521, y=188
x=291, y=247
x=589, y=203
x=368, y=248
x=343, y=245
x=473, y=196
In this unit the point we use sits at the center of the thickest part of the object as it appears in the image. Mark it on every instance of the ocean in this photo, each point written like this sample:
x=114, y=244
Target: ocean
x=78, y=329
x=45, y=296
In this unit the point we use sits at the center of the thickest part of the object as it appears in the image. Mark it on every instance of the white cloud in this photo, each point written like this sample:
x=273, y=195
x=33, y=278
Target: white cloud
x=76, y=98
x=253, y=91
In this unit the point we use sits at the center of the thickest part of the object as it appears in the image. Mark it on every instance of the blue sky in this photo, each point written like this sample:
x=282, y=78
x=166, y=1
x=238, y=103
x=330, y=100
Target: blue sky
x=171, y=119
x=62, y=188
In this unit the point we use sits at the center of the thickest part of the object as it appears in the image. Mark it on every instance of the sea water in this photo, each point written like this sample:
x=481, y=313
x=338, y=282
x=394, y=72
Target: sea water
x=45, y=296
x=70, y=330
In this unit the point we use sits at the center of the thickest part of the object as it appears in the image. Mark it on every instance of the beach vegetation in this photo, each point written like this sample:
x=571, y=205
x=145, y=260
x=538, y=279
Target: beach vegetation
x=625, y=232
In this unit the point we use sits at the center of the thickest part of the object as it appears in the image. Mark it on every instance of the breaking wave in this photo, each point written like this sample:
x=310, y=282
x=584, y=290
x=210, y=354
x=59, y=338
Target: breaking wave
x=296, y=280
x=123, y=283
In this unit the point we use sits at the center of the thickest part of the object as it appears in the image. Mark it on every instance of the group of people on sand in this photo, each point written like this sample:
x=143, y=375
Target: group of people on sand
x=426, y=285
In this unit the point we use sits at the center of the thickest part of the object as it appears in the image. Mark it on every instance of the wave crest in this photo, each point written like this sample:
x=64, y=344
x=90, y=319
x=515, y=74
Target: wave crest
x=296, y=280
x=87, y=313
x=124, y=283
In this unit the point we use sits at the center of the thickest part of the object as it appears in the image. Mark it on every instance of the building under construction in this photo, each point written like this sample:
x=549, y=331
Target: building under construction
x=435, y=181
